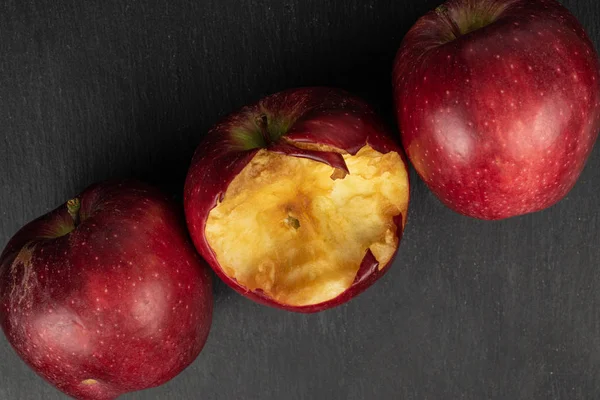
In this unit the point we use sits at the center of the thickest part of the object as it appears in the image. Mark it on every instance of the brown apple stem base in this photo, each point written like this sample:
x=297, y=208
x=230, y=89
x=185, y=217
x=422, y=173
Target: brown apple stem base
x=73, y=207
x=263, y=122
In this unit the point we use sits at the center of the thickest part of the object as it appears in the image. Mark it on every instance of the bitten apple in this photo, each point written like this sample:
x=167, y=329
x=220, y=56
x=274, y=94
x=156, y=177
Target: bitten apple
x=498, y=102
x=106, y=294
x=298, y=201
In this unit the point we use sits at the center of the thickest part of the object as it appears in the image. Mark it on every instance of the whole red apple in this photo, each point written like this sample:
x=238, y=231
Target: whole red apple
x=105, y=294
x=298, y=201
x=498, y=102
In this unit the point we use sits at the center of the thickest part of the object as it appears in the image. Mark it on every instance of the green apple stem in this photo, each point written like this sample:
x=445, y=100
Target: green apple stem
x=73, y=207
x=263, y=123
x=443, y=12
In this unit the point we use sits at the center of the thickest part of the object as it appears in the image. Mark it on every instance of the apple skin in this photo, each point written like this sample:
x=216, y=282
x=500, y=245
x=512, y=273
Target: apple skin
x=500, y=121
x=123, y=299
x=314, y=115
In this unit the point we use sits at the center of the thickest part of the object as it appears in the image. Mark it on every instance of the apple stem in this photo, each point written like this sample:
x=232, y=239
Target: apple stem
x=73, y=207
x=263, y=123
x=443, y=12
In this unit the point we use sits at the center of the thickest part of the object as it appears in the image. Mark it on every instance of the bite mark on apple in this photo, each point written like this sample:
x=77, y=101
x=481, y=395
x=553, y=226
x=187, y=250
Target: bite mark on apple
x=338, y=174
x=300, y=227
x=367, y=268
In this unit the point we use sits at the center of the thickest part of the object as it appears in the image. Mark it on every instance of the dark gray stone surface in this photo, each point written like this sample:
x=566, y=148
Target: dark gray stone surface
x=470, y=310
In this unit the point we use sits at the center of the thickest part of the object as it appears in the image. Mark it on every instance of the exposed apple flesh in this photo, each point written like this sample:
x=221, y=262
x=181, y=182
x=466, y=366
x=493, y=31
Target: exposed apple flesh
x=298, y=201
x=106, y=295
x=291, y=230
x=498, y=102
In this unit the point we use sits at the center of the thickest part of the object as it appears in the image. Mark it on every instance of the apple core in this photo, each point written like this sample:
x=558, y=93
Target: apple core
x=296, y=230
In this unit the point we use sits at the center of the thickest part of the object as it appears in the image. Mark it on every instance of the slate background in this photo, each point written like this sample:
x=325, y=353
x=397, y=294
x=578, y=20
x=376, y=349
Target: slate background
x=471, y=310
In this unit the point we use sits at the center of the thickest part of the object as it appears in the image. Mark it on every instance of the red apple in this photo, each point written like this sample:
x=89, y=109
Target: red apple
x=498, y=102
x=105, y=294
x=298, y=201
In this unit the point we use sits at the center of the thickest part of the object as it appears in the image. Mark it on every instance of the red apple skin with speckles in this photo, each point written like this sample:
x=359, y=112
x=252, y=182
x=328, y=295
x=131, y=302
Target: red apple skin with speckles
x=110, y=301
x=498, y=121
x=316, y=116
